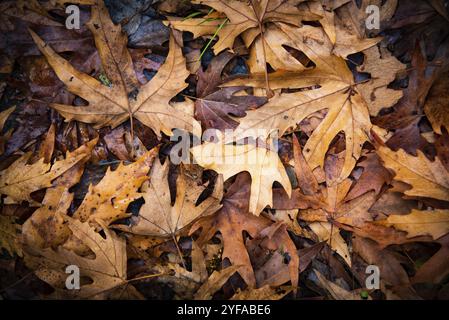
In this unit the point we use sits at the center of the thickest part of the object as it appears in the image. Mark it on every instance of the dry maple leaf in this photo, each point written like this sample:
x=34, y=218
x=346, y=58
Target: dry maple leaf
x=426, y=178
x=245, y=17
x=420, y=223
x=46, y=226
x=232, y=220
x=347, y=111
x=107, y=270
x=248, y=19
x=20, y=179
x=109, y=199
x=158, y=217
x=264, y=166
x=111, y=106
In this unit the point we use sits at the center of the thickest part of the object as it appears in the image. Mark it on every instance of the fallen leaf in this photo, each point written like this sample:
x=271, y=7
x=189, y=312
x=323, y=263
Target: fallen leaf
x=214, y=283
x=4, y=116
x=427, y=178
x=111, y=106
x=420, y=223
x=263, y=293
x=20, y=179
x=337, y=292
x=107, y=270
x=46, y=226
x=109, y=199
x=436, y=105
x=263, y=165
x=158, y=217
x=9, y=235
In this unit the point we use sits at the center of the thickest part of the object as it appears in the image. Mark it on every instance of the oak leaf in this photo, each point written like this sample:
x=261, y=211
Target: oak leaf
x=107, y=270
x=232, y=220
x=420, y=223
x=426, y=178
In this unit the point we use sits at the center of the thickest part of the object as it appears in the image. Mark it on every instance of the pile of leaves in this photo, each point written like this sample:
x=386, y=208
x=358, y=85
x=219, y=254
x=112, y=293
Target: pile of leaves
x=358, y=176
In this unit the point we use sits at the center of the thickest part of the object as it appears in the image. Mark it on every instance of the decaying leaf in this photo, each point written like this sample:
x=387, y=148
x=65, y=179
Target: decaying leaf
x=263, y=165
x=215, y=106
x=426, y=178
x=247, y=18
x=46, y=227
x=111, y=106
x=4, y=116
x=109, y=199
x=420, y=223
x=320, y=137
x=107, y=270
x=9, y=235
x=337, y=292
x=263, y=293
x=214, y=283
x=157, y=217
x=232, y=220
x=20, y=179
x=347, y=111
x=325, y=232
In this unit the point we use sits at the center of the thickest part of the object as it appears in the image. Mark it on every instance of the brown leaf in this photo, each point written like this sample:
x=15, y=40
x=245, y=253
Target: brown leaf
x=107, y=270
x=388, y=262
x=436, y=105
x=374, y=177
x=214, y=283
x=4, y=116
x=46, y=226
x=264, y=166
x=214, y=105
x=9, y=235
x=263, y=293
x=111, y=106
x=109, y=199
x=420, y=223
x=427, y=179
x=20, y=179
x=157, y=217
